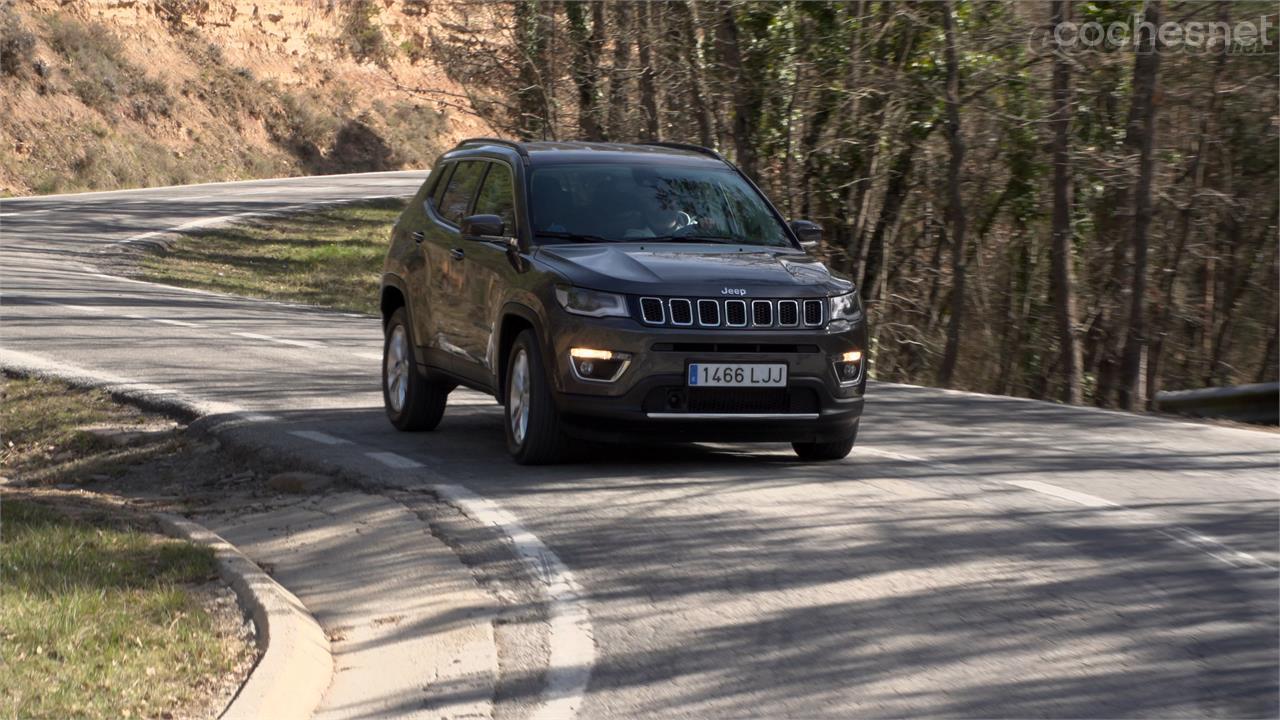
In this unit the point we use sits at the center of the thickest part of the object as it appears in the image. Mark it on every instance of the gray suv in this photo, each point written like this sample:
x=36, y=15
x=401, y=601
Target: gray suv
x=617, y=293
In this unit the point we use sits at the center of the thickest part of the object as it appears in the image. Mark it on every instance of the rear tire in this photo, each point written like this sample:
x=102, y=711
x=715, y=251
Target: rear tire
x=534, y=434
x=413, y=401
x=826, y=451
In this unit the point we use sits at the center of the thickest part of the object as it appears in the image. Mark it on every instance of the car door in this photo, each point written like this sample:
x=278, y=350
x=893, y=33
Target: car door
x=446, y=322
x=413, y=226
x=488, y=270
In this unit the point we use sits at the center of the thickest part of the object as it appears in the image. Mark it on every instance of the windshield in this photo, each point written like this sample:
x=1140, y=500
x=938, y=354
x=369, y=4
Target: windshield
x=620, y=203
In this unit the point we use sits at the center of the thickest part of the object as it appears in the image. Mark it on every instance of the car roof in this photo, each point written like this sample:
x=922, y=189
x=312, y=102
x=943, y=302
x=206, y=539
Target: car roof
x=552, y=152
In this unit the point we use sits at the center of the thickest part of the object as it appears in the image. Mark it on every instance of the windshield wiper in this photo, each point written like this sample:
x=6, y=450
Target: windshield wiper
x=720, y=239
x=572, y=237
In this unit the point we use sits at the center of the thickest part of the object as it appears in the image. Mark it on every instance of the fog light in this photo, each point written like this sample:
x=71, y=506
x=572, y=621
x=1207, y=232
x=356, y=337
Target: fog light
x=849, y=367
x=598, y=365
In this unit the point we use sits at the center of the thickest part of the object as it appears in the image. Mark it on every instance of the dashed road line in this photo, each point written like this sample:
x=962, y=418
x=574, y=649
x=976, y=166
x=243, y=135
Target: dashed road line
x=317, y=436
x=1060, y=492
x=73, y=308
x=179, y=323
x=1210, y=546
x=281, y=341
x=393, y=460
x=368, y=356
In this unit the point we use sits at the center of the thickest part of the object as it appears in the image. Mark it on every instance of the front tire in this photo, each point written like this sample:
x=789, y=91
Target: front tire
x=826, y=451
x=413, y=401
x=534, y=435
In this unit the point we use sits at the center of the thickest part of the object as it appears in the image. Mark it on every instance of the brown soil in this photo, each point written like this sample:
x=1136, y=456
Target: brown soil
x=130, y=93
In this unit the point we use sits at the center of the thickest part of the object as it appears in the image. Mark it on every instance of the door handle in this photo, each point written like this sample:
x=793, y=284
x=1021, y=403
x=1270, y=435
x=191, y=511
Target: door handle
x=418, y=236
x=457, y=253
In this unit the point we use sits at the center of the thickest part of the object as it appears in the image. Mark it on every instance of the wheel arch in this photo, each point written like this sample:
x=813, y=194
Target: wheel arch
x=516, y=318
x=393, y=296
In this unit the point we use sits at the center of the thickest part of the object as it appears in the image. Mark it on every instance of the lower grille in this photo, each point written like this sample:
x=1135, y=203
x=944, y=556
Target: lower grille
x=738, y=400
x=733, y=401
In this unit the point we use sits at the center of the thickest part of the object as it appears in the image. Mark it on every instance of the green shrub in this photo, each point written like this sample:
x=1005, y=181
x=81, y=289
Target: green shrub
x=361, y=36
x=17, y=43
x=101, y=76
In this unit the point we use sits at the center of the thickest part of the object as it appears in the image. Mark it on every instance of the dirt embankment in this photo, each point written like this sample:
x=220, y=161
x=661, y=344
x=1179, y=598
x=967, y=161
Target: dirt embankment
x=126, y=93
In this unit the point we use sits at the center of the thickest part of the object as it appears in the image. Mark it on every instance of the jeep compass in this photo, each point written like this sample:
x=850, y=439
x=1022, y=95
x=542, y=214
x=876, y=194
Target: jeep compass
x=617, y=293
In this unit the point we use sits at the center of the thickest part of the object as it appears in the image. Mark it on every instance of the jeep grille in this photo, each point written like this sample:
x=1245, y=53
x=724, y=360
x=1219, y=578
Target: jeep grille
x=734, y=313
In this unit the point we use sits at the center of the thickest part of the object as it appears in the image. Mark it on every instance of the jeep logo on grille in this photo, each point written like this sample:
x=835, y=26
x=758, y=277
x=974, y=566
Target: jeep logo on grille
x=733, y=291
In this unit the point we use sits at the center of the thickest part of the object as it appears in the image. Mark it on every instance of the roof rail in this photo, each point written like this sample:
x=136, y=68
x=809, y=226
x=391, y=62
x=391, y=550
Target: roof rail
x=496, y=141
x=685, y=146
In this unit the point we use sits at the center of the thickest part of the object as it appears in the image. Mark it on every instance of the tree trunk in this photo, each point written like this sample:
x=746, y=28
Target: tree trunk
x=686, y=14
x=619, y=74
x=1145, y=76
x=895, y=195
x=1062, y=286
x=744, y=130
x=648, y=84
x=534, y=121
x=955, y=214
x=587, y=43
x=1186, y=220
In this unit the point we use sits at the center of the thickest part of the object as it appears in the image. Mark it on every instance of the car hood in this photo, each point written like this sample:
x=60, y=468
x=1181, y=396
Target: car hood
x=697, y=270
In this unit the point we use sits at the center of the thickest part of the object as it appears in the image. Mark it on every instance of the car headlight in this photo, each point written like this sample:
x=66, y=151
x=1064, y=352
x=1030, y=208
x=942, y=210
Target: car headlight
x=591, y=303
x=847, y=307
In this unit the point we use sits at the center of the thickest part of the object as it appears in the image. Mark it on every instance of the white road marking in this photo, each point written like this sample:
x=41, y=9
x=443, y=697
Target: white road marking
x=393, y=460
x=1060, y=492
x=22, y=212
x=1210, y=546
x=282, y=341
x=369, y=356
x=73, y=308
x=258, y=417
x=179, y=323
x=316, y=436
x=571, y=638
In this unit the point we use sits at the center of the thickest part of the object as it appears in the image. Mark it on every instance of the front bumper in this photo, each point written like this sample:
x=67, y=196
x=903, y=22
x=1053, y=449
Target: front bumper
x=650, y=399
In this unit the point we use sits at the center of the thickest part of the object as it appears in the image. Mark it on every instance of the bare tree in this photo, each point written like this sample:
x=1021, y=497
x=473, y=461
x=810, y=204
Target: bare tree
x=1061, y=282
x=1142, y=135
x=955, y=212
x=587, y=45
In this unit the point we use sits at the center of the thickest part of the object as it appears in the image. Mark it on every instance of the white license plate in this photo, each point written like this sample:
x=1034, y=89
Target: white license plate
x=737, y=375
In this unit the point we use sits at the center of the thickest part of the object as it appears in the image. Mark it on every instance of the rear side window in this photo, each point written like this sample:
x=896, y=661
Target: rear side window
x=462, y=185
x=497, y=197
x=442, y=183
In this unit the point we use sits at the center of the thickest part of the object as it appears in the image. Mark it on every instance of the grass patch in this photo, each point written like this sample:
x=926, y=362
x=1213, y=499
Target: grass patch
x=98, y=619
x=331, y=258
x=53, y=432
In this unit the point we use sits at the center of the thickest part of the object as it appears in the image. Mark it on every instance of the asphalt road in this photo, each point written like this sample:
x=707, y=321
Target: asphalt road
x=975, y=556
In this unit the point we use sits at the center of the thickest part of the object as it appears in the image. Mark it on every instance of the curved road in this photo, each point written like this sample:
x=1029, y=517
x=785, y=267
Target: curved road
x=975, y=556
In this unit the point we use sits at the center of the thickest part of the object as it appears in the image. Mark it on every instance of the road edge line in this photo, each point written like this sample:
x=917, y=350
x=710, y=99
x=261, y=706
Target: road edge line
x=296, y=665
x=571, y=638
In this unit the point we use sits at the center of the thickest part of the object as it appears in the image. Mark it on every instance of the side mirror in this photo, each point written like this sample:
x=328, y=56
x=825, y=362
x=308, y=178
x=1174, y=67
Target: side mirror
x=809, y=233
x=482, y=227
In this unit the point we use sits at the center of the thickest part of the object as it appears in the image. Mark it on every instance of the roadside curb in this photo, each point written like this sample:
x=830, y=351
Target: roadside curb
x=296, y=667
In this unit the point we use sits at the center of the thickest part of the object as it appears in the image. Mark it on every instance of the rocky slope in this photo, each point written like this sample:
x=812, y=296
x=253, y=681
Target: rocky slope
x=98, y=94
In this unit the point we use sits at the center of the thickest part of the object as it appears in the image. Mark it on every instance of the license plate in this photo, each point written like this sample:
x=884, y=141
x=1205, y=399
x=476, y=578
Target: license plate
x=737, y=375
